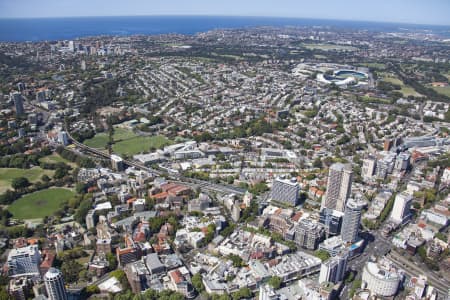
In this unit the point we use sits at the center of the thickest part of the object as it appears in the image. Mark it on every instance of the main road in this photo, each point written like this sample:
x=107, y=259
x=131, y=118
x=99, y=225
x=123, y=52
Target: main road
x=206, y=185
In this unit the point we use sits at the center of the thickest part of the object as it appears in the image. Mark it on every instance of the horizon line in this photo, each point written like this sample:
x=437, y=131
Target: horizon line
x=230, y=16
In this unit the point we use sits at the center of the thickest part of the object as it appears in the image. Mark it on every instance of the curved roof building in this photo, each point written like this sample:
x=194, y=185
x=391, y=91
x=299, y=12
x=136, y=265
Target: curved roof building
x=381, y=279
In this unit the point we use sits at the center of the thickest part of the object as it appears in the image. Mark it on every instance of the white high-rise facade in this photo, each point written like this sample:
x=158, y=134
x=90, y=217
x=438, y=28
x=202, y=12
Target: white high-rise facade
x=54, y=283
x=24, y=261
x=333, y=270
x=401, y=210
x=351, y=220
x=368, y=168
x=285, y=190
x=338, y=187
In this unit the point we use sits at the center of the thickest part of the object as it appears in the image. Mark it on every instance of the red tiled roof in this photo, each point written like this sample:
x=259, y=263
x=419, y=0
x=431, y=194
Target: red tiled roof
x=176, y=276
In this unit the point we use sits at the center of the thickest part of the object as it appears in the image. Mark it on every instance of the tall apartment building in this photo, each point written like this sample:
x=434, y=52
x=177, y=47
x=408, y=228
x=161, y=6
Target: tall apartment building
x=338, y=186
x=54, y=284
x=90, y=219
x=285, y=191
x=138, y=276
x=333, y=270
x=117, y=163
x=368, y=168
x=331, y=220
x=351, y=221
x=309, y=234
x=24, y=260
x=18, y=103
x=19, y=288
x=402, y=161
x=130, y=253
x=401, y=210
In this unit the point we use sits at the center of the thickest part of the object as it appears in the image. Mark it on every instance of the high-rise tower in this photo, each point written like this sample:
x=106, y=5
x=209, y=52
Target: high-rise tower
x=54, y=283
x=351, y=221
x=338, y=186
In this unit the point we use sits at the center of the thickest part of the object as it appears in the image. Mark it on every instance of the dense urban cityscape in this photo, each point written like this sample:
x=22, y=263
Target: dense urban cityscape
x=259, y=163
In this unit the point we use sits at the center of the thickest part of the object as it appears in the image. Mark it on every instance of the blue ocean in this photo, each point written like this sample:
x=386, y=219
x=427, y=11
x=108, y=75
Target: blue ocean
x=39, y=29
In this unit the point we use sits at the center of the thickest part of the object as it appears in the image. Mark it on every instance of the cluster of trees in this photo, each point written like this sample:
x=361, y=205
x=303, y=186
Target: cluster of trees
x=71, y=270
x=16, y=232
x=4, y=216
x=418, y=87
x=322, y=254
x=22, y=161
x=153, y=120
x=255, y=127
x=275, y=282
x=197, y=283
x=121, y=277
x=386, y=86
x=150, y=295
x=99, y=95
x=18, y=146
x=237, y=260
x=428, y=195
x=227, y=231
x=157, y=222
x=387, y=210
x=383, y=215
x=250, y=212
x=83, y=135
x=210, y=233
x=431, y=263
x=82, y=161
x=443, y=161
x=258, y=188
x=197, y=175
x=356, y=285
x=83, y=203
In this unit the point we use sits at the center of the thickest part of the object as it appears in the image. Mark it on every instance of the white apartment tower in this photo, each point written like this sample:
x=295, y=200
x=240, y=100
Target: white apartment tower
x=338, y=186
x=24, y=261
x=368, y=168
x=351, y=220
x=333, y=270
x=54, y=284
x=402, y=204
x=285, y=190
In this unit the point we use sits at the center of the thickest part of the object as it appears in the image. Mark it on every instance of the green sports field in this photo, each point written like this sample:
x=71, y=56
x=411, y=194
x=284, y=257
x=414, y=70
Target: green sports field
x=55, y=158
x=127, y=142
x=40, y=204
x=8, y=174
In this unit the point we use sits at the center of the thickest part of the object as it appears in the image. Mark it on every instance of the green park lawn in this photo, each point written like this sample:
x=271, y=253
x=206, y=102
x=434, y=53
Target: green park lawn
x=405, y=89
x=55, y=158
x=40, y=204
x=127, y=142
x=329, y=47
x=442, y=90
x=100, y=140
x=8, y=174
x=140, y=144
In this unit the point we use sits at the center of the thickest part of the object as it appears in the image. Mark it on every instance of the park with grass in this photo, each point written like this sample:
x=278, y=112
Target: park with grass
x=405, y=89
x=126, y=142
x=40, y=204
x=329, y=47
x=443, y=90
x=34, y=174
x=55, y=158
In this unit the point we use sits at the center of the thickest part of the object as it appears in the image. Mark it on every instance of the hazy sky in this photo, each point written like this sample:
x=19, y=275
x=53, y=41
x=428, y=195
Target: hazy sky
x=404, y=11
